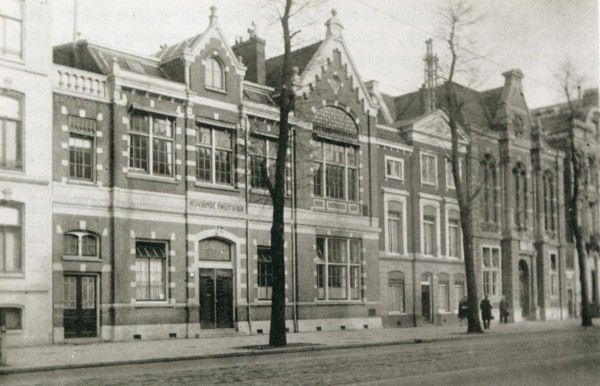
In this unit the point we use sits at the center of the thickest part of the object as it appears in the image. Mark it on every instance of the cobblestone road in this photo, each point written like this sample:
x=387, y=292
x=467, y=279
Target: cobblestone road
x=384, y=365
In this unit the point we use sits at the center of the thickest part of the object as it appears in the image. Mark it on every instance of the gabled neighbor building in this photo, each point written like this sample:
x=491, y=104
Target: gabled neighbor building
x=161, y=222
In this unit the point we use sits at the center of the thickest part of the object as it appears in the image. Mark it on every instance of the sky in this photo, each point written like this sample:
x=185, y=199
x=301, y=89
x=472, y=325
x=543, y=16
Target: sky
x=386, y=38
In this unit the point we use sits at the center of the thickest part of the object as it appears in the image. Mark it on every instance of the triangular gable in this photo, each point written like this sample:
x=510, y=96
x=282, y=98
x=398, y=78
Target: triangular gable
x=214, y=31
x=320, y=60
x=436, y=125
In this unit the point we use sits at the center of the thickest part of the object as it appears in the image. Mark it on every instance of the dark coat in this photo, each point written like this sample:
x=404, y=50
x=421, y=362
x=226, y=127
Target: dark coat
x=504, y=307
x=463, y=309
x=486, y=309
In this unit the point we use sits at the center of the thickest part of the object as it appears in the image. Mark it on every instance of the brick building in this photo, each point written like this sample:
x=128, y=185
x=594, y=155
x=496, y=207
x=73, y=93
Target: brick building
x=25, y=172
x=161, y=224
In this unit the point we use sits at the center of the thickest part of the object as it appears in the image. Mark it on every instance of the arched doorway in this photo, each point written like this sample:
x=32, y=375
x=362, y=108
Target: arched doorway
x=524, y=288
x=426, y=298
x=215, y=284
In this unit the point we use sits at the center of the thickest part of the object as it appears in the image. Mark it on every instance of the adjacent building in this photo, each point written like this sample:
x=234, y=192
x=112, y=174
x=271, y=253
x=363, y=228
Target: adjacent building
x=25, y=172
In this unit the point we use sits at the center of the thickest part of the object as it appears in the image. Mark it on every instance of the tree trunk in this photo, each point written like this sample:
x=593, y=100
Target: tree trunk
x=277, y=333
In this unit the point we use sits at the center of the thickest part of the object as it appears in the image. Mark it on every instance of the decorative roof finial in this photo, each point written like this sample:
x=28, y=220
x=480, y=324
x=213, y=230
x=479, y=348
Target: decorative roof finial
x=252, y=30
x=334, y=27
x=213, y=16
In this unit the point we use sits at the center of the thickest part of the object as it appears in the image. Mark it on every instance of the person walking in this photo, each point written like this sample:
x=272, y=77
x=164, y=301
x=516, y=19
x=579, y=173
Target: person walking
x=504, y=310
x=486, y=312
x=463, y=310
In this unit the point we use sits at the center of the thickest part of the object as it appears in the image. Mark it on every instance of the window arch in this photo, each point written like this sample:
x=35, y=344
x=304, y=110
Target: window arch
x=549, y=202
x=81, y=244
x=520, y=188
x=395, y=229
x=11, y=122
x=214, y=74
x=396, y=291
x=215, y=249
x=11, y=260
x=489, y=195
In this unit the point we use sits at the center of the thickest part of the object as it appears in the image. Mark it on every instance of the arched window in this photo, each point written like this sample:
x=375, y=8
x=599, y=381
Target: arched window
x=10, y=239
x=549, y=203
x=444, y=292
x=489, y=195
x=520, y=204
x=214, y=74
x=396, y=291
x=80, y=244
x=394, y=227
x=214, y=249
x=429, y=226
x=11, y=117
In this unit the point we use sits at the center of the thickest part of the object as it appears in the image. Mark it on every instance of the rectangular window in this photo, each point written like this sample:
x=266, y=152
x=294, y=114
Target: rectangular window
x=428, y=169
x=265, y=273
x=10, y=240
x=491, y=271
x=151, y=144
x=454, y=238
x=81, y=157
x=396, y=291
x=394, y=168
x=335, y=171
x=450, y=175
x=10, y=28
x=214, y=155
x=150, y=262
x=444, y=293
x=553, y=274
x=429, y=237
x=11, y=318
x=395, y=232
x=570, y=261
x=339, y=266
x=264, y=151
x=10, y=132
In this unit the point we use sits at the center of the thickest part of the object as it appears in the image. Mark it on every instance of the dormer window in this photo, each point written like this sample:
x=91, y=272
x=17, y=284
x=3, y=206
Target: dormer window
x=80, y=245
x=214, y=74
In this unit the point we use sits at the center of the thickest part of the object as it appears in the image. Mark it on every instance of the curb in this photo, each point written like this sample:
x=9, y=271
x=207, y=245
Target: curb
x=231, y=354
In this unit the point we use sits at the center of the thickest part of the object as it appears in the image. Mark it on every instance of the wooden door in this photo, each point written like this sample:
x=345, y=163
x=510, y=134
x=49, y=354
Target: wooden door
x=80, y=309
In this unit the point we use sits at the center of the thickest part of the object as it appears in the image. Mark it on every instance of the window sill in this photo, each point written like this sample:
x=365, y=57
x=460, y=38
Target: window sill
x=392, y=313
x=340, y=302
x=13, y=59
x=394, y=178
x=81, y=182
x=149, y=177
x=214, y=89
x=82, y=258
x=429, y=184
x=11, y=275
x=209, y=185
x=444, y=312
x=152, y=304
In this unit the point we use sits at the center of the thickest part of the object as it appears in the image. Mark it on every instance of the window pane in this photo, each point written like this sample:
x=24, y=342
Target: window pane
x=265, y=273
x=162, y=163
x=223, y=166
x=318, y=179
x=157, y=287
x=256, y=180
x=88, y=245
x=10, y=249
x=352, y=184
x=321, y=281
x=138, y=152
x=337, y=282
x=142, y=268
x=10, y=144
x=10, y=216
x=88, y=292
x=336, y=250
x=70, y=245
x=214, y=249
x=10, y=108
x=140, y=123
x=321, y=248
x=335, y=181
x=355, y=251
x=69, y=296
x=80, y=157
x=223, y=139
x=13, y=36
x=203, y=163
x=203, y=136
x=354, y=282
x=162, y=127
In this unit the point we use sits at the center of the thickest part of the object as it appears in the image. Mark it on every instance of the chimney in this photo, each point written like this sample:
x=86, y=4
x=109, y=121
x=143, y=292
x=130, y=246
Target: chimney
x=513, y=77
x=334, y=27
x=252, y=52
x=430, y=84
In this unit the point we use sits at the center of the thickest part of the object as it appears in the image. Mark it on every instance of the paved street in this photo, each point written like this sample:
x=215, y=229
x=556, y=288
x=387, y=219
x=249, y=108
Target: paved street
x=569, y=356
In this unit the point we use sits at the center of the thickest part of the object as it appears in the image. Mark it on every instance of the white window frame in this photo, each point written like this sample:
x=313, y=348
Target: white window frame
x=424, y=154
x=151, y=137
x=391, y=299
x=491, y=270
x=21, y=21
x=165, y=273
x=448, y=208
x=449, y=176
x=448, y=309
x=80, y=255
x=221, y=65
x=387, y=159
x=19, y=225
x=326, y=263
x=423, y=202
x=401, y=198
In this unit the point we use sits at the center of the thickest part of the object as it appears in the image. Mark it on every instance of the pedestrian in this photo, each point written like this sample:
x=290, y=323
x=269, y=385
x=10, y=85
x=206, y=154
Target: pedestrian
x=486, y=312
x=463, y=310
x=504, y=310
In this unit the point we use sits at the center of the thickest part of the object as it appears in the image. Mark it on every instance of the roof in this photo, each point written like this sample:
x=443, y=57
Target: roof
x=96, y=58
x=166, y=53
x=258, y=97
x=299, y=58
x=479, y=107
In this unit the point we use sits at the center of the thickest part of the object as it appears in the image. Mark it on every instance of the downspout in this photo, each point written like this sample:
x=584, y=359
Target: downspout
x=414, y=238
x=186, y=185
x=294, y=232
x=246, y=128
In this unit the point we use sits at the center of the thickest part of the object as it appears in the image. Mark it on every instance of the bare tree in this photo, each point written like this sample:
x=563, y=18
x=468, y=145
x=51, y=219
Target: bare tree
x=457, y=19
x=570, y=82
x=286, y=99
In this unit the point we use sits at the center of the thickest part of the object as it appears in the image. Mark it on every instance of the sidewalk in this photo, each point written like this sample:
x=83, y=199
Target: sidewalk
x=42, y=358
